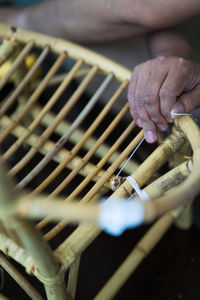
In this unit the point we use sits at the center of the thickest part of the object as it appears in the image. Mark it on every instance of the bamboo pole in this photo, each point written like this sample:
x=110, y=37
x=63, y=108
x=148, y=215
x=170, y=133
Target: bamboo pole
x=21, y=280
x=75, y=212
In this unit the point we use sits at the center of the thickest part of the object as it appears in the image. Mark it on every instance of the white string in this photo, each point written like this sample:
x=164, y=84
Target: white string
x=177, y=114
x=126, y=162
x=141, y=193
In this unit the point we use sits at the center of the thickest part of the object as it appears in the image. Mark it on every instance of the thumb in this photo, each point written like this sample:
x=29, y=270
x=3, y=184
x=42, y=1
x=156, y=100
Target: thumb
x=186, y=103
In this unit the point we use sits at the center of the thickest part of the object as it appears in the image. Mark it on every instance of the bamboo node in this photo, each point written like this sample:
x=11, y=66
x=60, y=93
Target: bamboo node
x=57, y=279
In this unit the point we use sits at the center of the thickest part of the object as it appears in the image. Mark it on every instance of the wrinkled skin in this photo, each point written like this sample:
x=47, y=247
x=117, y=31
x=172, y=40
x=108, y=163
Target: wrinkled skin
x=160, y=88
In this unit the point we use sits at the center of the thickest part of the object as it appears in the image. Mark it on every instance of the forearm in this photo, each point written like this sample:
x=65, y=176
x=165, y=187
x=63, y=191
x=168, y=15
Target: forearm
x=80, y=20
x=100, y=20
x=169, y=43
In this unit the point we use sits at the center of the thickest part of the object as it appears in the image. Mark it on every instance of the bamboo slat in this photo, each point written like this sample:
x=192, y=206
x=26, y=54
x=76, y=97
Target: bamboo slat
x=85, y=171
x=74, y=98
x=78, y=134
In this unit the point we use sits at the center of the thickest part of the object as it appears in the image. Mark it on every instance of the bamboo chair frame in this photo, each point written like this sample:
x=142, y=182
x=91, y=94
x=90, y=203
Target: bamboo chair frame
x=20, y=238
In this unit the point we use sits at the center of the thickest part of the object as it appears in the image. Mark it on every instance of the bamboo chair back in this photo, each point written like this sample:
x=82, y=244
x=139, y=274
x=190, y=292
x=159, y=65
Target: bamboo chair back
x=58, y=140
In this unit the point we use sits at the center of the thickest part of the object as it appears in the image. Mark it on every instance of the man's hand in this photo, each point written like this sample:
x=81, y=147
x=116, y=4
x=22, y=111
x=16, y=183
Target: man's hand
x=161, y=88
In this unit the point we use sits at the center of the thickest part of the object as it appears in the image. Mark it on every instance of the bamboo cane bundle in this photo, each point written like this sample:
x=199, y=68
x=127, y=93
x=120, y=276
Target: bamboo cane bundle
x=64, y=157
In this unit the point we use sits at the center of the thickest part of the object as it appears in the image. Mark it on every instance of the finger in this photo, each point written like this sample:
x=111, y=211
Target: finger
x=147, y=124
x=186, y=103
x=172, y=87
x=151, y=94
x=131, y=96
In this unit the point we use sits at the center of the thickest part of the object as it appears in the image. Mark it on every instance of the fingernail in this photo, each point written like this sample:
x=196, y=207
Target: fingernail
x=162, y=127
x=139, y=122
x=150, y=137
x=177, y=109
